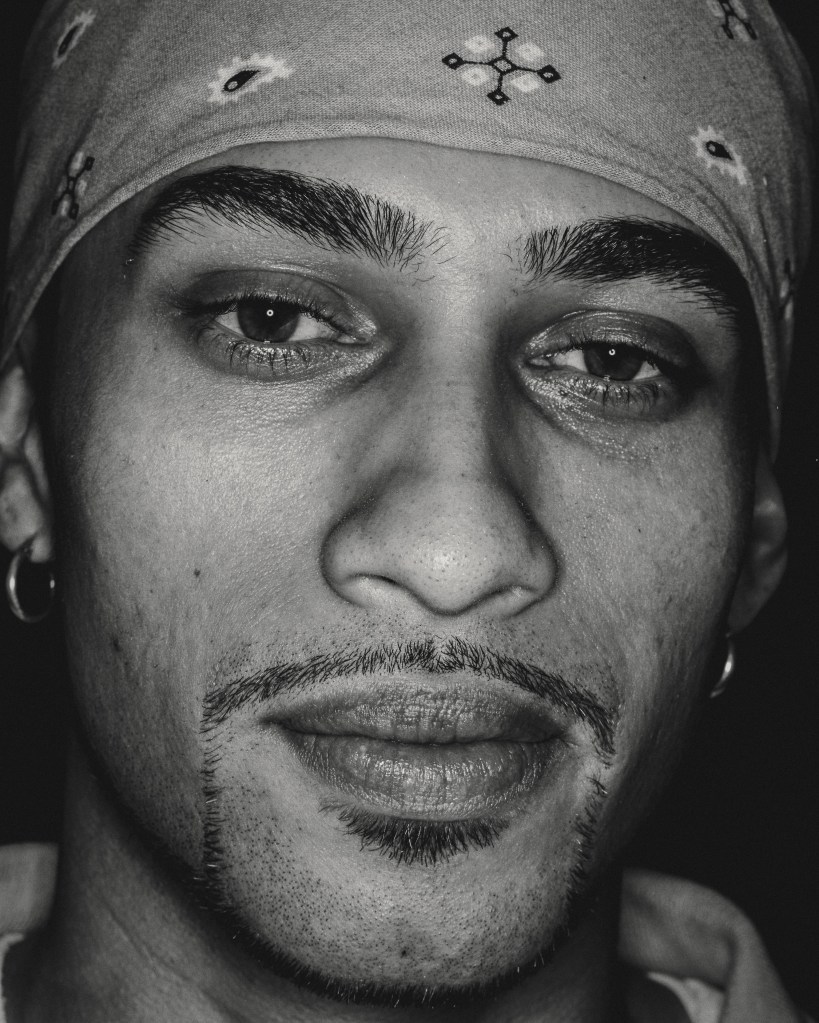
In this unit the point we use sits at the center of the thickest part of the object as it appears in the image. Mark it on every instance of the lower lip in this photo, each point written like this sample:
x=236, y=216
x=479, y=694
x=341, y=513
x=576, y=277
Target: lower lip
x=445, y=782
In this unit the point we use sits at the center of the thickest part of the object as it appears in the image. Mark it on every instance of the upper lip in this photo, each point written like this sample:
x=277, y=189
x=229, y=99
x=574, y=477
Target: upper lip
x=456, y=708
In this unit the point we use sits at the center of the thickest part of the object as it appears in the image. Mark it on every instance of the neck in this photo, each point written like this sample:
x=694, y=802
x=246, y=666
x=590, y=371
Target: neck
x=126, y=940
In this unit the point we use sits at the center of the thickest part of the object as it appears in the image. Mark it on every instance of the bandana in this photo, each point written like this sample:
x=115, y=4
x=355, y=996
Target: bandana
x=702, y=105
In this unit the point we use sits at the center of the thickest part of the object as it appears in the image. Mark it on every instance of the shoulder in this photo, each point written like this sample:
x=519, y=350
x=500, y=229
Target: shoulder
x=702, y=947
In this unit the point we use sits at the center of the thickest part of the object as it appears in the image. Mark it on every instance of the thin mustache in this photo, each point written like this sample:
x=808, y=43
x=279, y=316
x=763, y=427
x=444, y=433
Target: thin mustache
x=418, y=655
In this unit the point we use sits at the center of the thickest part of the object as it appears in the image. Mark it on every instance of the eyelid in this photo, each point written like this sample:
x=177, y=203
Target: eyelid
x=658, y=338
x=215, y=293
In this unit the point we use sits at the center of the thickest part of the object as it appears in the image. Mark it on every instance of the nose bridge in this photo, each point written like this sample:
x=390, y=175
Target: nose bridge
x=450, y=485
x=440, y=522
x=451, y=434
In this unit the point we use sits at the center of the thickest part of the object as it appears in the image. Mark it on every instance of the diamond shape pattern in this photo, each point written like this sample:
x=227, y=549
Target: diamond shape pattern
x=525, y=84
x=479, y=44
x=522, y=77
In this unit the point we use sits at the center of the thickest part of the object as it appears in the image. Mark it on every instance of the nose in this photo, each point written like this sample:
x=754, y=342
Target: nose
x=438, y=525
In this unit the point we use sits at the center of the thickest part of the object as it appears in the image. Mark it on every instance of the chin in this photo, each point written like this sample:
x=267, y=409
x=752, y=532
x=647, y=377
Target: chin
x=377, y=909
x=418, y=968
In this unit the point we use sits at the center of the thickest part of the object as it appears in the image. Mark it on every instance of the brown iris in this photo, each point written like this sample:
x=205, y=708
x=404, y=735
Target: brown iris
x=614, y=362
x=267, y=322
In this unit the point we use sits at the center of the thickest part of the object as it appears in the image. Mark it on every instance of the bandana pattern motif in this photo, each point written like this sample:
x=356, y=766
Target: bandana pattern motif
x=243, y=77
x=523, y=78
x=714, y=149
x=71, y=36
x=75, y=183
x=735, y=22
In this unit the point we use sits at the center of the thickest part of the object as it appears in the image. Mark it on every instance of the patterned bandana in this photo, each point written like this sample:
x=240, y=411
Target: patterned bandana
x=702, y=105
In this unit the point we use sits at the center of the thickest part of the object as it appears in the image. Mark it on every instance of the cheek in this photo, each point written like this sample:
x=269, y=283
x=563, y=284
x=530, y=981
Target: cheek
x=180, y=535
x=650, y=552
x=649, y=535
x=657, y=544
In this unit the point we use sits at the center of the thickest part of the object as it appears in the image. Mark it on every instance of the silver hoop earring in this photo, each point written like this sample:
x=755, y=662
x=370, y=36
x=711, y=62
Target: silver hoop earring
x=727, y=671
x=22, y=557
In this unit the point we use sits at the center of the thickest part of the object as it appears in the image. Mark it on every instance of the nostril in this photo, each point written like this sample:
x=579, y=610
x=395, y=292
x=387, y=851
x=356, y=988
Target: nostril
x=387, y=594
x=369, y=591
x=510, y=601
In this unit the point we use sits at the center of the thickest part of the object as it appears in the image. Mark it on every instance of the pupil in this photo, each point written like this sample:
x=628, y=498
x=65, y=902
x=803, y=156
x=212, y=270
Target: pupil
x=621, y=363
x=267, y=322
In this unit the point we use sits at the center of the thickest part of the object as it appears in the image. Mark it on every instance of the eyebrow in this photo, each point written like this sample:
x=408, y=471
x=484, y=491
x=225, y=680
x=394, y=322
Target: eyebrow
x=611, y=250
x=328, y=213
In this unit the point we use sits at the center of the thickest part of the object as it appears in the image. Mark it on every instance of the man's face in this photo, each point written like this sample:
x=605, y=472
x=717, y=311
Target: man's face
x=394, y=547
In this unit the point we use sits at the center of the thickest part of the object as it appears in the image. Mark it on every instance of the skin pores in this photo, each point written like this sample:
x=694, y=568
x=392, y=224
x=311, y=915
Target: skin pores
x=433, y=460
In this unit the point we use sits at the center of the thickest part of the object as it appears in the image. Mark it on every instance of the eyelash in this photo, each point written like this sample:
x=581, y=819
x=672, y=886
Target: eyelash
x=644, y=394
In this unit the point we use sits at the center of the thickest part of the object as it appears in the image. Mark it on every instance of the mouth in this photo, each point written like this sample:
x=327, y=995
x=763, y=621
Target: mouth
x=457, y=750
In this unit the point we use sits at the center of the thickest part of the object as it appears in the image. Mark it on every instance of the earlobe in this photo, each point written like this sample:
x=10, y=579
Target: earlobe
x=25, y=502
x=766, y=554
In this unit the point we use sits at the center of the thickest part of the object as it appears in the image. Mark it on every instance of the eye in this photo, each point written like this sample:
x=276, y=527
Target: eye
x=628, y=363
x=605, y=360
x=287, y=327
x=270, y=321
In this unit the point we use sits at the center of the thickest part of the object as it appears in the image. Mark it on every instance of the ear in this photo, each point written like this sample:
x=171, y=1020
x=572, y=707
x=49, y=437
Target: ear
x=25, y=500
x=766, y=553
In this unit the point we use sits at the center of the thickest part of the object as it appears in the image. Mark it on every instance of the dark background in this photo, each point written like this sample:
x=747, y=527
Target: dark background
x=742, y=818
